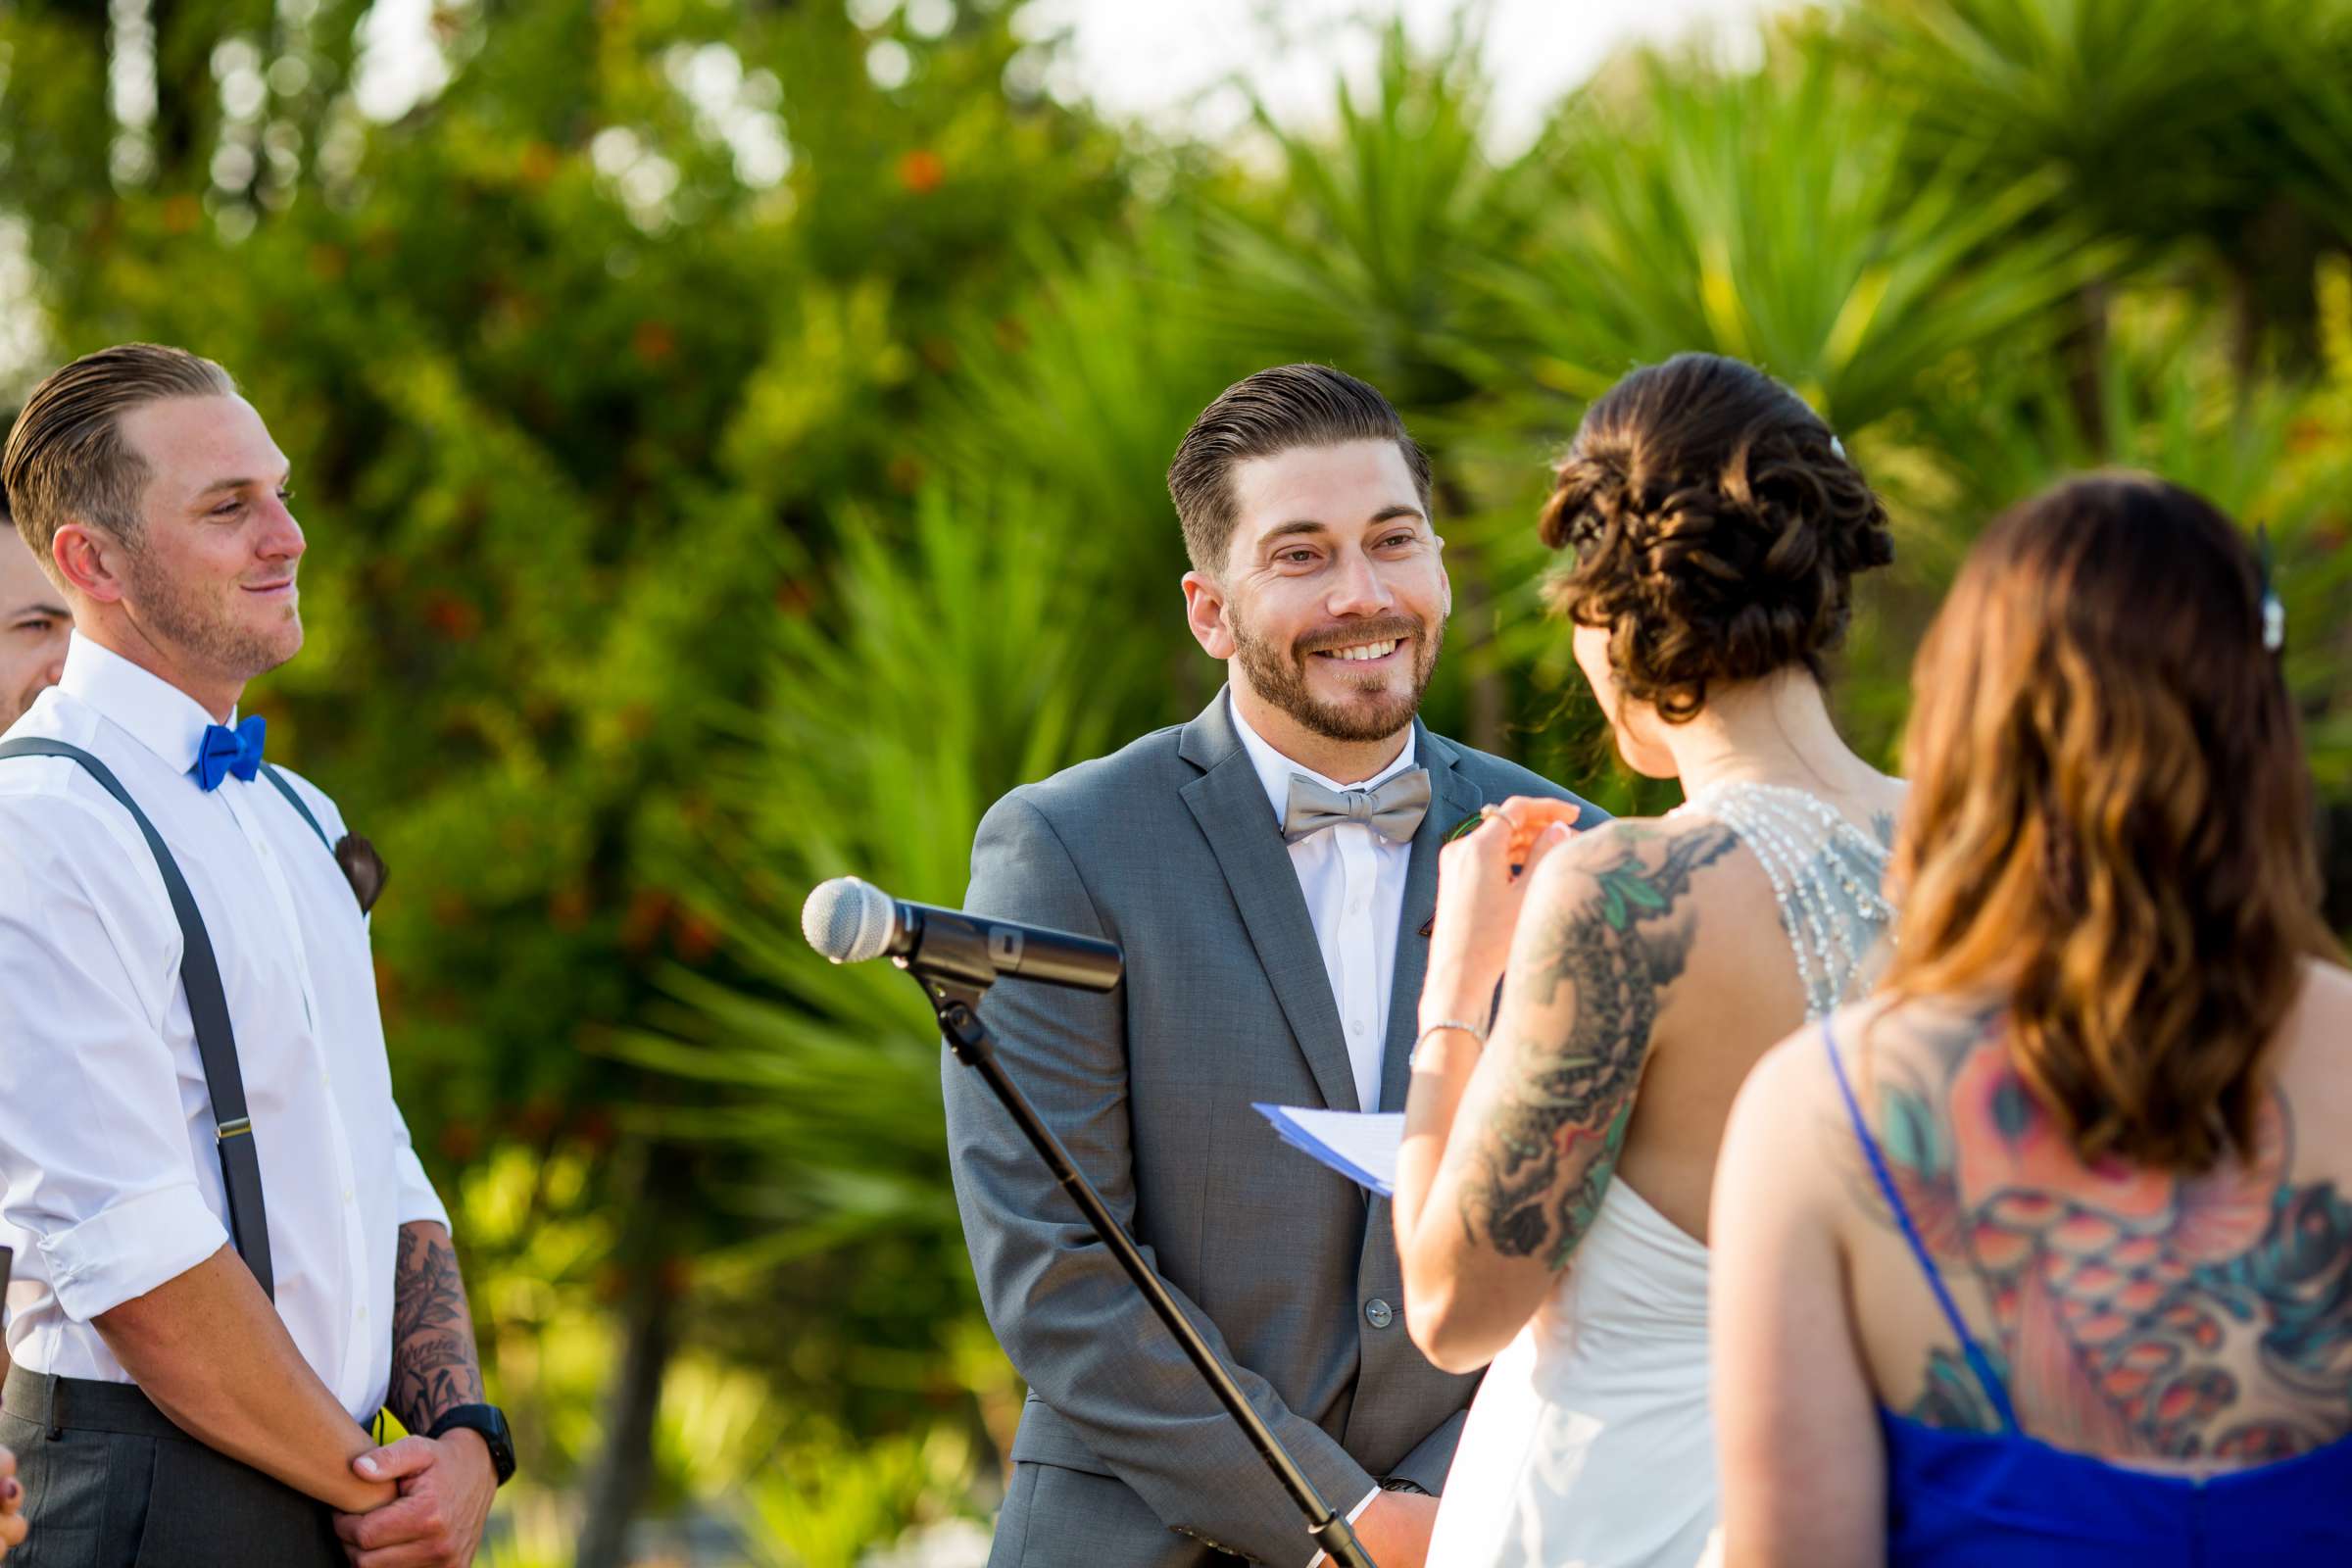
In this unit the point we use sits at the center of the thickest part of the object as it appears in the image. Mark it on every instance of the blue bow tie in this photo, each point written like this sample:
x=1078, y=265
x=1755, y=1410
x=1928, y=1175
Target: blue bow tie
x=226, y=750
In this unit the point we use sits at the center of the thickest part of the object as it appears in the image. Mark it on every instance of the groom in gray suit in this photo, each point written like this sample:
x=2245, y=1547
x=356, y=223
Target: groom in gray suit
x=1270, y=869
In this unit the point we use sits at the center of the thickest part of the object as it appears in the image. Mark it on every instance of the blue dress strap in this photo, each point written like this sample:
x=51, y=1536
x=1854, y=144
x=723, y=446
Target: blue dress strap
x=1978, y=1361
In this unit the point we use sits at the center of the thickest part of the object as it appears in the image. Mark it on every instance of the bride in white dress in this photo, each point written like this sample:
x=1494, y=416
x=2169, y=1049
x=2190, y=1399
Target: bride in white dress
x=1551, y=1194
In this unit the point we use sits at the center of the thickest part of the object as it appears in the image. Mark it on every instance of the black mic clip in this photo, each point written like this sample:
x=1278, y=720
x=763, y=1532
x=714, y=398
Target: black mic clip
x=957, y=1005
x=970, y=952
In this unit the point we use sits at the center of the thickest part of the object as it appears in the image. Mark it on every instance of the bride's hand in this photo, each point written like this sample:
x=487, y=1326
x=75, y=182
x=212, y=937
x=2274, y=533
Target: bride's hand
x=1482, y=885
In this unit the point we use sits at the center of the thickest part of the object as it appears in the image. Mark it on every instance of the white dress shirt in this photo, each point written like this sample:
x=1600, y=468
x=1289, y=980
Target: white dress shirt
x=1353, y=880
x=108, y=1164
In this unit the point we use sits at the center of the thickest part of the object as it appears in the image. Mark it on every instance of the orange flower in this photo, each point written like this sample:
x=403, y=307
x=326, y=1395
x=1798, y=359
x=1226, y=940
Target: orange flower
x=921, y=171
x=654, y=341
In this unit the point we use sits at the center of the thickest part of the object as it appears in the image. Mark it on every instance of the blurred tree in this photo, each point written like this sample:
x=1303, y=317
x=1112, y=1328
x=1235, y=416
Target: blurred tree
x=574, y=356
x=2219, y=131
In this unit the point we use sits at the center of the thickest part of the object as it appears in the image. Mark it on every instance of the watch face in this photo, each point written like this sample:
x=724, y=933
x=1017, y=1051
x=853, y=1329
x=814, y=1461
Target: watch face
x=502, y=1444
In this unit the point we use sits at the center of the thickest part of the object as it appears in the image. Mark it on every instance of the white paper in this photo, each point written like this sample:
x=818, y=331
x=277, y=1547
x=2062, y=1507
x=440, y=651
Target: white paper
x=1360, y=1146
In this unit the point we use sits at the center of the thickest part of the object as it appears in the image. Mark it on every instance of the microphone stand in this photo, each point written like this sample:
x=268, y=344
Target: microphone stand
x=956, y=998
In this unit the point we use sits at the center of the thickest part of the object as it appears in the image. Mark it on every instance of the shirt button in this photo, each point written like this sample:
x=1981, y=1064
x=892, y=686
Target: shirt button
x=1356, y=1026
x=347, y=1195
x=1379, y=1313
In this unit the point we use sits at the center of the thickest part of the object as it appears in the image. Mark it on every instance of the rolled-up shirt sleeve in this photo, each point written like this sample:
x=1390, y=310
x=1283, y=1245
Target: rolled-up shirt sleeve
x=418, y=1202
x=96, y=1167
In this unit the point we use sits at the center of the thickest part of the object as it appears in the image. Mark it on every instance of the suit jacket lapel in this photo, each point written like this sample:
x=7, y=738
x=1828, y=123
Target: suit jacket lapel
x=1231, y=807
x=1453, y=796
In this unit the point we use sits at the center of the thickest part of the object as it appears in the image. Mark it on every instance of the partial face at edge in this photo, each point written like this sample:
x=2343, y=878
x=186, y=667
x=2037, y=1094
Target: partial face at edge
x=35, y=628
x=1333, y=600
x=212, y=576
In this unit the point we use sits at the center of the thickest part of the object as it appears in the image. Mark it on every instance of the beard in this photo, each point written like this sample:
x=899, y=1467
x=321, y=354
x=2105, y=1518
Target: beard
x=205, y=628
x=1279, y=676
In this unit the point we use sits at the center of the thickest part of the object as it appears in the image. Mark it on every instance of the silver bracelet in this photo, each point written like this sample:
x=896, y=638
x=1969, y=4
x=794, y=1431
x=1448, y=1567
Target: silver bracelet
x=1443, y=1025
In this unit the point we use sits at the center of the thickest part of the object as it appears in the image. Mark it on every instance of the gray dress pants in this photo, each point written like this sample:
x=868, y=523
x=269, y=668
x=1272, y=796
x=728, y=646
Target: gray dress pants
x=111, y=1483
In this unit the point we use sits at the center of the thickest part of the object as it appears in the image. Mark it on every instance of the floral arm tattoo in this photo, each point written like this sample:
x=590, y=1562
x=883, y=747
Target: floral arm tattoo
x=1545, y=1158
x=435, y=1367
x=2116, y=1295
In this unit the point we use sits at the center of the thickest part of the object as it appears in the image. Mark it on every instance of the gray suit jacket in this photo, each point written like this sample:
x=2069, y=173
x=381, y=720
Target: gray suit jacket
x=1169, y=849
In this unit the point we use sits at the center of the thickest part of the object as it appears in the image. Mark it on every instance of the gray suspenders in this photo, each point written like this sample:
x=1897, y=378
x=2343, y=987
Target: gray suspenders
x=208, y=1010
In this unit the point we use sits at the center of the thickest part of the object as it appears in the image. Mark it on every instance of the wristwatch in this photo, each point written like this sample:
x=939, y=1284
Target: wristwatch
x=490, y=1422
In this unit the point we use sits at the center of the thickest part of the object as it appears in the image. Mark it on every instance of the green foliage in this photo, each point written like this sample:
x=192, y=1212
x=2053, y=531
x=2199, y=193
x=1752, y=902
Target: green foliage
x=695, y=517
x=2147, y=111
x=1773, y=216
x=1360, y=251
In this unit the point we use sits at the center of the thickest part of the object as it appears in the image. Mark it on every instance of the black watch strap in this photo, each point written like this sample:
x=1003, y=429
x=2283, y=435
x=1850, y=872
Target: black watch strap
x=490, y=1423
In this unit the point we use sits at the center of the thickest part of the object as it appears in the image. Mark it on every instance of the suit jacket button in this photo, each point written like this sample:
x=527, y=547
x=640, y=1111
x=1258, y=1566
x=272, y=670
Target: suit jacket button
x=1379, y=1313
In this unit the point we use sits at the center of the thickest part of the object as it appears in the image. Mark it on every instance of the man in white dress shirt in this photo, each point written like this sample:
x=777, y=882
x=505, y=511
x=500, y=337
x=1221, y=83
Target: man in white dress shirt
x=1268, y=870
x=195, y=1370
x=34, y=624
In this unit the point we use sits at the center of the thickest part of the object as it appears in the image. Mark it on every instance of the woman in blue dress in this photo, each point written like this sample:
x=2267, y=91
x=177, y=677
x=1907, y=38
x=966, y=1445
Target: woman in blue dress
x=2043, y=1254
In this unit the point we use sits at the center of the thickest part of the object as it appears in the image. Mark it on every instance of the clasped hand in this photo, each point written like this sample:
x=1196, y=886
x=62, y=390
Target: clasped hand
x=435, y=1521
x=11, y=1505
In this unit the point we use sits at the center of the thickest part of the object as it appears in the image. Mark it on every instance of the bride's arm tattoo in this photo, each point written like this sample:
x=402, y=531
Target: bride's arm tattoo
x=1545, y=1158
x=435, y=1367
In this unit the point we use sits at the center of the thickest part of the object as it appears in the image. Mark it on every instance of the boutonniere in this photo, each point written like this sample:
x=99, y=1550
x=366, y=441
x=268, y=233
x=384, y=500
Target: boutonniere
x=1467, y=825
x=362, y=869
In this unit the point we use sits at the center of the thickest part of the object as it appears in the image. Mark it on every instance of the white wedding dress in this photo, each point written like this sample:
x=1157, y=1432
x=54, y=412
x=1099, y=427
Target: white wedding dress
x=1590, y=1445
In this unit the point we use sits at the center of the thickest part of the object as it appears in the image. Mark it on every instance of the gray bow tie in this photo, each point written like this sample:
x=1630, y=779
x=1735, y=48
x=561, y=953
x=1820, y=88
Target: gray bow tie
x=1394, y=810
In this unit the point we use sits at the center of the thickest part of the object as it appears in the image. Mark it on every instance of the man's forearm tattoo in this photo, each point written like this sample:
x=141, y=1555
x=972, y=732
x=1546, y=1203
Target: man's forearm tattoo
x=435, y=1367
x=1564, y=1120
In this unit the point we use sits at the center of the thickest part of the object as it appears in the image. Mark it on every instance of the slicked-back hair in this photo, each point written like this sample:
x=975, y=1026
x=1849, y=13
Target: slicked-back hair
x=1275, y=411
x=66, y=459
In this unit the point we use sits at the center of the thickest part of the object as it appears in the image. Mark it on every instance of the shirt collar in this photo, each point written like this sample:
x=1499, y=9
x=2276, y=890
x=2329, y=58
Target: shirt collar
x=1274, y=770
x=153, y=712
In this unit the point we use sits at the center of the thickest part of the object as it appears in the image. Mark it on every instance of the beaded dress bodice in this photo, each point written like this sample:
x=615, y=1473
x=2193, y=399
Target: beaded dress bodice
x=1826, y=875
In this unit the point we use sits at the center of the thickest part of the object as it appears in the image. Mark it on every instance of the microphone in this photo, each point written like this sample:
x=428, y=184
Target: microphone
x=850, y=920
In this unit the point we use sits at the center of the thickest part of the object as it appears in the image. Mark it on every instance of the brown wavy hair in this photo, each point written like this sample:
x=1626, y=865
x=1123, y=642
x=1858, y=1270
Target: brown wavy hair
x=1717, y=527
x=2110, y=819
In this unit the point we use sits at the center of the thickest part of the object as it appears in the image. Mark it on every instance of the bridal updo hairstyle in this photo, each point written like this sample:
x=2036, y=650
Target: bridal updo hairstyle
x=2110, y=821
x=1716, y=527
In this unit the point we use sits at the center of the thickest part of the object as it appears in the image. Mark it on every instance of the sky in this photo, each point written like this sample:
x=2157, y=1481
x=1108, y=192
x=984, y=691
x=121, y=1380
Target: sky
x=1161, y=60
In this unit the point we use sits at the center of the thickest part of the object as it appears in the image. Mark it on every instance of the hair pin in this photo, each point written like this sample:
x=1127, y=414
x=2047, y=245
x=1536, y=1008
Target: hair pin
x=2274, y=613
